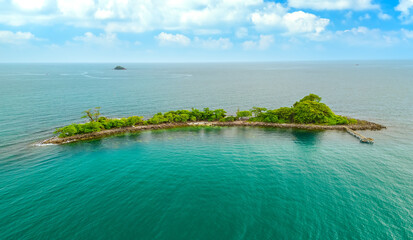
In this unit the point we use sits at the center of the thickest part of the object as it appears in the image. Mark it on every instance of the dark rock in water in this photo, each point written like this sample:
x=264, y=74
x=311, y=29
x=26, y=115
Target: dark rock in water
x=119, y=68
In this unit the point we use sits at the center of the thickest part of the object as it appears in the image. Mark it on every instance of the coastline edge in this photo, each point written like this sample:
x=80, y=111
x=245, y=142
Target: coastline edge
x=115, y=131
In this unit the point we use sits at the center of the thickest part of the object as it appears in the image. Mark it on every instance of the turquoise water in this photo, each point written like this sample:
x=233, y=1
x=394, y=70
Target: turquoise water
x=206, y=183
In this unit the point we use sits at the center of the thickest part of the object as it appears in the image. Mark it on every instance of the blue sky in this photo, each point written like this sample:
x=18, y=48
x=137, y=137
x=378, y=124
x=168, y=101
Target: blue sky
x=204, y=30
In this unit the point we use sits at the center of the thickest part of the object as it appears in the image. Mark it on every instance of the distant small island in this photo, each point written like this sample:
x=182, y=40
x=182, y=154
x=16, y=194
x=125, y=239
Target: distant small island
x=119, y=68
x=308, y=113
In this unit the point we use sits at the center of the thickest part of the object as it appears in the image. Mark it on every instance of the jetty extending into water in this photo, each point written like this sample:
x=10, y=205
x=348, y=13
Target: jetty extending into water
x=363, y=125
x=362, y=138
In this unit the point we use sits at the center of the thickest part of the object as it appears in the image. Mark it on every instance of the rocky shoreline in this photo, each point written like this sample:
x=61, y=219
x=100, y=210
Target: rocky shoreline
x=362, y=125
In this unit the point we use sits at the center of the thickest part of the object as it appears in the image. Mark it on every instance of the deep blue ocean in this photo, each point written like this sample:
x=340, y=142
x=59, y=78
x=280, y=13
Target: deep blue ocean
x=206, y=182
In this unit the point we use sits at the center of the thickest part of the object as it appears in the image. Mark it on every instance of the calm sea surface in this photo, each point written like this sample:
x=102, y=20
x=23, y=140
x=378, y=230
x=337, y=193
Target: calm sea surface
x=206, y=183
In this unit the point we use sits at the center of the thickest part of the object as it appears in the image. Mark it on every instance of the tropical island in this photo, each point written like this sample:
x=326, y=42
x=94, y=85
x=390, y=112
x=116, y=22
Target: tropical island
x=308, y=113
x=119, y=68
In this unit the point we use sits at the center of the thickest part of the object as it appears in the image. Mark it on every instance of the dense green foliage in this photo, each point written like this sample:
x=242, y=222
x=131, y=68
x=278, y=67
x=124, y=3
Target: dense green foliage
x=281, y=115
x=242, y=114
x=309, y=110
x=97, y=123
x=228, y=119
x=185, y=116
x=257, y=110
x=315, y=112
x=96, y=126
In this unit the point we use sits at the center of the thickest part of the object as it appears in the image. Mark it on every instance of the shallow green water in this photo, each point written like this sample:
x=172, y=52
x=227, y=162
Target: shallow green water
x=205, y=183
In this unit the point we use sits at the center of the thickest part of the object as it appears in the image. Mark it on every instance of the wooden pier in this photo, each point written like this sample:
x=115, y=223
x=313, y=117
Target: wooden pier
x=362, y=138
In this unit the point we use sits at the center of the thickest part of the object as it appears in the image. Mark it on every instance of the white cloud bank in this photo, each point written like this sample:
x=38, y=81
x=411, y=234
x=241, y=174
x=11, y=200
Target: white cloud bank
x=210, y=43
x=276, y=16
x=76, y=8
x=263, y=43
x=333, y=4
x=29, y=5
x=200, y=17
x=168, y=39
x=241, y=32
x=15, y=37
x=364, y=36
x=172, y=39
x=101, y=39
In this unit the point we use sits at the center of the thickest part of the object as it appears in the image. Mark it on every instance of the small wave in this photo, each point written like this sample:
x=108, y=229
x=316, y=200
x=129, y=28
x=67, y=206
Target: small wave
x=34, y=74
x=43, y=144
x=89, y=76
x=181, y=75
x=24, y=74
x=86, y=74
x=69, y=74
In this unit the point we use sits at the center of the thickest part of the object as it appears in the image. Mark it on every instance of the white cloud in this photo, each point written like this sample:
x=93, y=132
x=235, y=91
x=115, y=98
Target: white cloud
x=241, y=32
x=301, y=22
x=101, y=39
x=368, y=37
x=263, y=43
x=270, y=16
x=365, y=17
x=276, y=16
x=103, y=14
x=168, y=39
x=15, y=38
x=29, y=5
x=126, y=27
x=207, y=31
x=220, y=43
x=383, y=16
x=75, y=8
x=21, y=19
x=407, y=33
x=404, y=7
x=333, y=4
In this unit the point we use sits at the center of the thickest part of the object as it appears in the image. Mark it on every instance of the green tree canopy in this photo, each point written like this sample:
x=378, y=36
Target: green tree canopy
x=312, y=112
x=257, y=111
x=93, y=115
x=309, y=97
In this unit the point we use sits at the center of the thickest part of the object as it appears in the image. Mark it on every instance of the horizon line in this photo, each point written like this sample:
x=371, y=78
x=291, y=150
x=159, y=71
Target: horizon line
x=195, y=62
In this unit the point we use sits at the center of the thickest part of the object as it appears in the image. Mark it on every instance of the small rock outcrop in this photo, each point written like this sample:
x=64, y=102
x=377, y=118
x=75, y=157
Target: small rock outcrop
x=119, y=68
